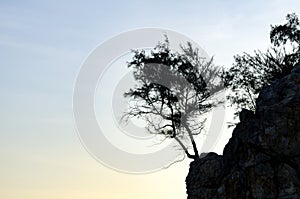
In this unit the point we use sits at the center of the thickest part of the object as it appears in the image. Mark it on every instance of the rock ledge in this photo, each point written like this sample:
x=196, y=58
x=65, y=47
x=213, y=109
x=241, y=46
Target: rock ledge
x=262, y=158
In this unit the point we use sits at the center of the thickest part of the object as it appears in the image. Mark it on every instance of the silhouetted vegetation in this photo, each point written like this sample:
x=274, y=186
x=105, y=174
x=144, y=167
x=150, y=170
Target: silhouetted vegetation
x=250, y=73
x=173, y=91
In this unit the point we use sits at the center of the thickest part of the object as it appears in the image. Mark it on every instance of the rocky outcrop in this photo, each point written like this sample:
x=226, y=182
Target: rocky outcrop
x=262, y=159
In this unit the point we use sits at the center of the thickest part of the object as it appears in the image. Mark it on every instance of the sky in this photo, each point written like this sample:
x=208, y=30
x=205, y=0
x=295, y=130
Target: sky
x=42, y=47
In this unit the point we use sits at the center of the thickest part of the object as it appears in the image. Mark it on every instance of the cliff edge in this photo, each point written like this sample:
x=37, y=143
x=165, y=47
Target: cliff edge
x=262, y=158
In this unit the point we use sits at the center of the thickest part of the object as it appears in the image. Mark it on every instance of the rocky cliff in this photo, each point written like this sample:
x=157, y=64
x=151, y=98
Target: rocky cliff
x=262, y=159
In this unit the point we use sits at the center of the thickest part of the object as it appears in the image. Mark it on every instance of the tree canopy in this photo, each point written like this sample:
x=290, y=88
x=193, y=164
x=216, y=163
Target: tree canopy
x=250, y=73
x=172, y=92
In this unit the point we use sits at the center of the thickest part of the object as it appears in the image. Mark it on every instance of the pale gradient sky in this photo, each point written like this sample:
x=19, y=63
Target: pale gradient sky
x=42, y=45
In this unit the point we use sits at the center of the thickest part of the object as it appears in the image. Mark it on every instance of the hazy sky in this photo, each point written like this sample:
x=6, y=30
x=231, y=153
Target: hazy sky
x=42, y=46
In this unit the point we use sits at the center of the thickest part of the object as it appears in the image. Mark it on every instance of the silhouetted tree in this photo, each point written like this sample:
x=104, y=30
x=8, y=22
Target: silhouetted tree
x=172, y=92
x=250, y=73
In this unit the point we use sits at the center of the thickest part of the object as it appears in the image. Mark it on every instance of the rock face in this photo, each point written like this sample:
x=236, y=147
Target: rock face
x=262, y=159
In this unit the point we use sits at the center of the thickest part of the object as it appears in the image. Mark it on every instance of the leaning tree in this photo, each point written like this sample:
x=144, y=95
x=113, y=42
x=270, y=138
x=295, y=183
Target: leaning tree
x=172, y=93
